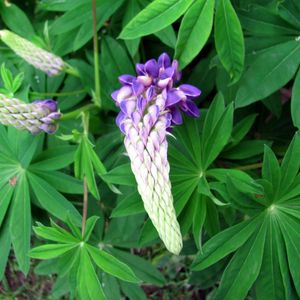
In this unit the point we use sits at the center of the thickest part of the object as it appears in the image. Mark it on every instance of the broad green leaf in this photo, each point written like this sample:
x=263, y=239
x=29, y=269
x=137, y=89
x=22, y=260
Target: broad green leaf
x=243, y=268
x=295, y=103
x=111, y=265
x=262, y=21
x=51, y=200
x=16, y=20
x=156, y=16
x=224, y=243
x=51, y=250
x=271, y=70
x=194, y=31
x=229, y=39
x=88, y=286
x=198, y=218
x=142, y=268
x=290, y=11
x=20, y=223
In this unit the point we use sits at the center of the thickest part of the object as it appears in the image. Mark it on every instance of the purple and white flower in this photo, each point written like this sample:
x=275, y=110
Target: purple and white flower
x=38, y=57
x=150, y=105
x=41, y=115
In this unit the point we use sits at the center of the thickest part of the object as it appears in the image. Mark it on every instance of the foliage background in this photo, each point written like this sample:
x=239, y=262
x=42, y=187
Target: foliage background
x=234, y=171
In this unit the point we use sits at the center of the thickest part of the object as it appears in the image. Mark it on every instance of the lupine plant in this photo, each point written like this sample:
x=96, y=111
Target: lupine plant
x=150, y=149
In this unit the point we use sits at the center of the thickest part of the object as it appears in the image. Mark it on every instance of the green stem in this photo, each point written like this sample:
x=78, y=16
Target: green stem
x=76, y=113
x=65, y=94
x=96, y=57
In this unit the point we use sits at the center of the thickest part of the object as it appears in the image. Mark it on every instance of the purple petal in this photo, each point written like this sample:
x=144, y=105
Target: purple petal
x=150, y=93
x=119, y=120
x=49, y=103
x=141, y=104
x=190, y=108
x=151, y=67
x=114, y=94
x=140, y=69
x=190, y=90
x=164, y=60
x=124, y=92
x=127, y=106
x=126, y=79
x=176, y=116
x=175, y=96
x=137, y=87
x=176, y=74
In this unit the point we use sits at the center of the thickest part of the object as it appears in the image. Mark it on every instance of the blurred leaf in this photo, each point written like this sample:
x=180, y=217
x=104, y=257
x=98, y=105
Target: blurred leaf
x=295, y=103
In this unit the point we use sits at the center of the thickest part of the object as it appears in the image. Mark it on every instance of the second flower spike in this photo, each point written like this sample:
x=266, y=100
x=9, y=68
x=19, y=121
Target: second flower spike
x=38, y=57
x=150, y=105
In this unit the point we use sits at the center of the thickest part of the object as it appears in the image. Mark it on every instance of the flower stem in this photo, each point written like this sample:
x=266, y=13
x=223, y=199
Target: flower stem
x=97, y=96
x=85, y=205
x=77, y=112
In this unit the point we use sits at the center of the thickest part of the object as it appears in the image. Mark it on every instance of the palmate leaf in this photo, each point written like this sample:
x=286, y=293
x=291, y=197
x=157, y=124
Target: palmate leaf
x=19, y=183
x=74, y=255
x=264, y=255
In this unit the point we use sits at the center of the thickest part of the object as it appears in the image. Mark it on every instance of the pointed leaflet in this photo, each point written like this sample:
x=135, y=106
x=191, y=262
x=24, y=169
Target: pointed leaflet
x=229, y=39
x=20, y=223
x=156, y=16
x=88, y=286
x=5, y=197
x=271, y=70
x=295, y=103
x=51, y=250
x=243, y=268
x=194, y=31
x=224, y=243
x=111, y=265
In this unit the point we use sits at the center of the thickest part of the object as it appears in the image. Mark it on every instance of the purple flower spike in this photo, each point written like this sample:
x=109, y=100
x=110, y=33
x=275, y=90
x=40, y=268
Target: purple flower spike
x=41, y=115
x=150, y=105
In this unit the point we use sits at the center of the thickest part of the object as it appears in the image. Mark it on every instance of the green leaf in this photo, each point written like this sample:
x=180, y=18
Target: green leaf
x=89, y=286
x=142, y=268
x=229, y=39
x=111, y=265
x=194, y=31
x=129, y=205
x=20, y=223
x=243, y=269
x=16, y=20
x=224, y=243
x=295, y=103
x=156, y=16
x=5, y=242
x=54, y=234
x=121, y=175
x=54, y=158
x=51, y=200
x=89, y=227
x=51, y=250
x=290, y=164
x=167, y=36
x=271, y=169
x=271, y=70
x=133, y=291
x=5, y=197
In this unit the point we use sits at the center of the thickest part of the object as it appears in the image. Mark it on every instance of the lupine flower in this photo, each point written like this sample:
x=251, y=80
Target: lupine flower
x=150, y=105
x=41, y=115
x=38, y=57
